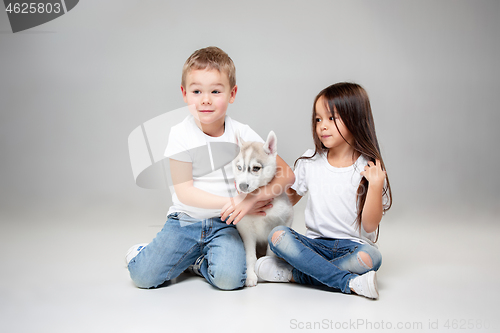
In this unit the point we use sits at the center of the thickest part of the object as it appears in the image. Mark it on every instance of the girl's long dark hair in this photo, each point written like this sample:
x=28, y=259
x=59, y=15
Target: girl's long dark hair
x=352, y=105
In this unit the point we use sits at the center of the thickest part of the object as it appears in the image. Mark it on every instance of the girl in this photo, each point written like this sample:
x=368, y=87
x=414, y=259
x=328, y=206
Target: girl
x=348, y=193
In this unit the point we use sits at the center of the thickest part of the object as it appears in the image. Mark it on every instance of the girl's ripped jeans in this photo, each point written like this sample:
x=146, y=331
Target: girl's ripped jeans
x=320, y=261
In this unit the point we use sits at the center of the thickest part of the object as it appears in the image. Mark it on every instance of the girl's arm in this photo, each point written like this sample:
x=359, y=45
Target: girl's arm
x=293, y=196
x=373, y=208
x=283, y=179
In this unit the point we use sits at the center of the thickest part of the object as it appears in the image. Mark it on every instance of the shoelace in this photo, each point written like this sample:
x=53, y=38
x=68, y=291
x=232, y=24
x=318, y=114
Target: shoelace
x=358, y=284
x=280, y=275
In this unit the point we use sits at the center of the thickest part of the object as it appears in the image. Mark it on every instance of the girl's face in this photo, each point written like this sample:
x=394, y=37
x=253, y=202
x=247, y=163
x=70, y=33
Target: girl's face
x=326, y=129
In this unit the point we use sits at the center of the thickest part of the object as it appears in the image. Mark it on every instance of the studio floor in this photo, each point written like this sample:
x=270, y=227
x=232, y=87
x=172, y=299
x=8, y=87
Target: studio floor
x=65, y=272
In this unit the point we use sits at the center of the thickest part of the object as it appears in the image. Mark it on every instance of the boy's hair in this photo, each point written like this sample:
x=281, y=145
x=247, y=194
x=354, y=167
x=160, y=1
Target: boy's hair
x=350, y=101
x=210, y=58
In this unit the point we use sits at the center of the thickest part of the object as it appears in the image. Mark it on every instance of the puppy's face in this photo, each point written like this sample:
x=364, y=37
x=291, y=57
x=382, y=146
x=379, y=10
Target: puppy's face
x=255, y=165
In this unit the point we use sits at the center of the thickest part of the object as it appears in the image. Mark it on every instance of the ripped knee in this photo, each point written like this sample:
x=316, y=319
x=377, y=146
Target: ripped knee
x=277, y=237
x=365, y=260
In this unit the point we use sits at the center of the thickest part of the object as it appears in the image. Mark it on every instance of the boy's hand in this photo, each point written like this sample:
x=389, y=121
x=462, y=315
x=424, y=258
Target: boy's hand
x=242, y=205
x=374, y=173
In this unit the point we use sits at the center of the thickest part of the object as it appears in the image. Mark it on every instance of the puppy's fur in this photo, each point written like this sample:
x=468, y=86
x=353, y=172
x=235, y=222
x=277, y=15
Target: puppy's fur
x=255, y=166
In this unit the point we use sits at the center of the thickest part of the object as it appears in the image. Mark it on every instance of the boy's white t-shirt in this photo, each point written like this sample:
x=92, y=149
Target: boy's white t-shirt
x=331, y=209
x=188, y=143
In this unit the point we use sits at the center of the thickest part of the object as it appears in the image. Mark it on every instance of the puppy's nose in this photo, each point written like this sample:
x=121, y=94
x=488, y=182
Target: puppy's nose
x=243, y=187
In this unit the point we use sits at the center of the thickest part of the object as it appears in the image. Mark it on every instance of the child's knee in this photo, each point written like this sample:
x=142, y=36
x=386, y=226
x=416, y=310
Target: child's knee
x=146, y=281
x=365, y=260
x=227, y=280
x=277, y=235
x=370, y=260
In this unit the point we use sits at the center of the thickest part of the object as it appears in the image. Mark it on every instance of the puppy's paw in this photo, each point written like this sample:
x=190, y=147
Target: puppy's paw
x=251, y=279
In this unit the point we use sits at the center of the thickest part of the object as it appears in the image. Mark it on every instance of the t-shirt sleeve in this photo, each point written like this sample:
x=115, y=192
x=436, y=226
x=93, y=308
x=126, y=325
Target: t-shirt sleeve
x=177, y=148
x=300, y=185
x=248, y=134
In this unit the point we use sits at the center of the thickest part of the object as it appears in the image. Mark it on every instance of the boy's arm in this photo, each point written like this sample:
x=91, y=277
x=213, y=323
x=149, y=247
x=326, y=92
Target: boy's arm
x=182, y=178
x=283, y=179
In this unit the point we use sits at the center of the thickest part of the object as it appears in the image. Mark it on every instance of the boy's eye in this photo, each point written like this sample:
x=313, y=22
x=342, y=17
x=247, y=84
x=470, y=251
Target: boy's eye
x=215, y=92
x=196, y=91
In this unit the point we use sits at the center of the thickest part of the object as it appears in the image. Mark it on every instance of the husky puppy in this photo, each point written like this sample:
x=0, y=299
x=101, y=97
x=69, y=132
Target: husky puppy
x=255, y=166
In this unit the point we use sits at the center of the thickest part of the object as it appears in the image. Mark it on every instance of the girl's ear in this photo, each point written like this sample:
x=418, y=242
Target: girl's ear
x=271, y=145
x=239, y=140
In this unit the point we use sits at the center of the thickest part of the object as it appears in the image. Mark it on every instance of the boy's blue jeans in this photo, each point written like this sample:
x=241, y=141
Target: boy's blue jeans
x=181, y=241
x=320, y=261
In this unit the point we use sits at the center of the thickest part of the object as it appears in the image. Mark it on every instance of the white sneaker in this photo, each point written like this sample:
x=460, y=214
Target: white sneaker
x=365, y=285
x=273, y=269
x=133, y=251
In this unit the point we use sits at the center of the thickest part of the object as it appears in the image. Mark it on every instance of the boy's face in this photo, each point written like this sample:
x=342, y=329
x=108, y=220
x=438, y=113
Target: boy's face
x=208, y=93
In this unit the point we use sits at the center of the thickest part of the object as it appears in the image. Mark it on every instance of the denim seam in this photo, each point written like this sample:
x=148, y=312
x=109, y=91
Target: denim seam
x=324, y=247
x=208, y=231
x=328, y=261
x=179, y=261
x=320, y=245
x=348, y=253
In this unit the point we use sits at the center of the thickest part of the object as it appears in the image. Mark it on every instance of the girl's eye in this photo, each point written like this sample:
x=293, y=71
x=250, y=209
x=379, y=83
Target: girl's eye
x=256, y=169
x=318, y=120
x=332, y=118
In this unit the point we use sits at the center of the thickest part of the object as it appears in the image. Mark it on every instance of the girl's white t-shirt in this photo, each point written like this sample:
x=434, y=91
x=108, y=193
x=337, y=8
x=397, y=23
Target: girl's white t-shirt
x=188, y=143
x=331, y=209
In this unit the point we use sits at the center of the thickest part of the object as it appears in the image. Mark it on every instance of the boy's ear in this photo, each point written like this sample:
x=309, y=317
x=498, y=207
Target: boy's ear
x=184, y=91
x=271, y=145
x=233, y=94
x=239, y=140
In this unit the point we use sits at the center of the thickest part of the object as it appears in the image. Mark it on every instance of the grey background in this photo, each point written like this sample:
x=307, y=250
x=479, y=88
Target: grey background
x=73, y=89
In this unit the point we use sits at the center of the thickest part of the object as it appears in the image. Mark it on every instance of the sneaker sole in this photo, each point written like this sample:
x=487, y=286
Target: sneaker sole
x=373, y=288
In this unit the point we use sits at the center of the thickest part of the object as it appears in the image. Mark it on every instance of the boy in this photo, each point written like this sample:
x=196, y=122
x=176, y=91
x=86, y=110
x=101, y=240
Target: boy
x=200, y=230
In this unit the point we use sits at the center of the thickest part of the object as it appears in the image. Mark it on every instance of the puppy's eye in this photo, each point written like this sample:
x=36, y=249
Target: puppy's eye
x=256, y=169
x=239, y=168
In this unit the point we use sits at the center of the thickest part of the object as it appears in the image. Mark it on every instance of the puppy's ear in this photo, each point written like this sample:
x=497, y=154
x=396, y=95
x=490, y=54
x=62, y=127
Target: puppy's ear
x=239, y=140
x=271, y=145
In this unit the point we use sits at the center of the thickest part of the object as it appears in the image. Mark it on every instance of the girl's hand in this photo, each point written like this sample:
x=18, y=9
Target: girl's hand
x=260, y=207
x=242, y=205
x=374, y=173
